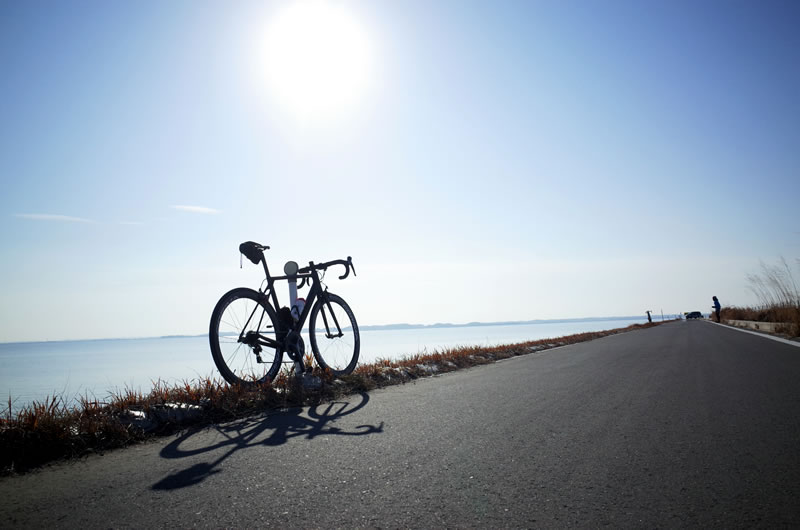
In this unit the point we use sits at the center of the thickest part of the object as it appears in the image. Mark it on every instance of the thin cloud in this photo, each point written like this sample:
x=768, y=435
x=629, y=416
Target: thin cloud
x=196, y=209
x=52, y=217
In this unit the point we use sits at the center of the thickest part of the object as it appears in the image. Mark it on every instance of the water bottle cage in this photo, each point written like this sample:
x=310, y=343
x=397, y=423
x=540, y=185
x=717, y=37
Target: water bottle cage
x=285, y=319
x=297, y=308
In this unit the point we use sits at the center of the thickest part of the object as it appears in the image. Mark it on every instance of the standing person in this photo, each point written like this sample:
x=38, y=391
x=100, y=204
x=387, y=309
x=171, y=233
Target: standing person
x=716, y=306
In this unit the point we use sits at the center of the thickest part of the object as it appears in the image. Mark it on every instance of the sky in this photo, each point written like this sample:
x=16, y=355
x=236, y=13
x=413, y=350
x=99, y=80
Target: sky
x=480, y=161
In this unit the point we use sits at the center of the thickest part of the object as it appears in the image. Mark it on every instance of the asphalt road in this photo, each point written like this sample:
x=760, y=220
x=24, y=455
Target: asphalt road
x=685, y=424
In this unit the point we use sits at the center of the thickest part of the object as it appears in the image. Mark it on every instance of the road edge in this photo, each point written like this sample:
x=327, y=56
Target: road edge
x=759, y=334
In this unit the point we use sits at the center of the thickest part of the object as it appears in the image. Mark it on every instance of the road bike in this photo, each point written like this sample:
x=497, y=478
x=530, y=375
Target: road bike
x=250, y=332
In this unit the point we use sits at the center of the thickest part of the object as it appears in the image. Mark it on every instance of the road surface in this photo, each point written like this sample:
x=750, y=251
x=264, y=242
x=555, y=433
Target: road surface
x=685, y=424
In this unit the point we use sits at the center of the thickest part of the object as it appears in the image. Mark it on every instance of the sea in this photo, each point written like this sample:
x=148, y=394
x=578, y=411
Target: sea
x=99, y=369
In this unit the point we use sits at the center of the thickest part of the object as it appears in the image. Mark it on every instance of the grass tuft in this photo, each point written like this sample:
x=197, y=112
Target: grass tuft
x=777, y=290
x=786, y=315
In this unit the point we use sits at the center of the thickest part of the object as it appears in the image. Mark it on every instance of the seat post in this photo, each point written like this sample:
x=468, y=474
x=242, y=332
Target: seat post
x=266, y=269
x=270, y=289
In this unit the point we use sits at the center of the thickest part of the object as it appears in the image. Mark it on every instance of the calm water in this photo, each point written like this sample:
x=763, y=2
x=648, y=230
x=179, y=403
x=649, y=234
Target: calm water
x=97, y=368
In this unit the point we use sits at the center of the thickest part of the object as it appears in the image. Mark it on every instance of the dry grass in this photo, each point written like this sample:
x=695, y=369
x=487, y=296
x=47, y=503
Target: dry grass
x=788, y=315
x=777, y=290
x=50, y=430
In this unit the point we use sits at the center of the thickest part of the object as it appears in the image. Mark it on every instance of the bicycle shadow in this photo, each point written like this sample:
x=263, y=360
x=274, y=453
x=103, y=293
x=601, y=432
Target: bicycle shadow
x=254, y=432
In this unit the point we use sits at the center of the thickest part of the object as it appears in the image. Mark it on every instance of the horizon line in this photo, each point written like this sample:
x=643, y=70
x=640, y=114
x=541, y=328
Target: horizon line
x=366, y=327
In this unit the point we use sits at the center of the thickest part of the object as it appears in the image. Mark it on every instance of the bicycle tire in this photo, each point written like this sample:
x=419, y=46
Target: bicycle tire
x=236, y=361
x=339, y=354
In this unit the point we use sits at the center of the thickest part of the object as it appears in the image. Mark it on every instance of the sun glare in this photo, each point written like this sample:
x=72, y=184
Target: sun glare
x=317, y=60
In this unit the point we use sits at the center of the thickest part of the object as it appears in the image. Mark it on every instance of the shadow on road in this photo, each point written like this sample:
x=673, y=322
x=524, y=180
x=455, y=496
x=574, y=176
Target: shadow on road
x=272, y=430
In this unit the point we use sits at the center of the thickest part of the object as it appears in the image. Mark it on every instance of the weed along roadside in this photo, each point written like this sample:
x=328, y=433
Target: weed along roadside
x=47, y=431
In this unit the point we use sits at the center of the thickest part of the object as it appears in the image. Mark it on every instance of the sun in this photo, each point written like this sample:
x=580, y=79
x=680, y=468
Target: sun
x=317, y=60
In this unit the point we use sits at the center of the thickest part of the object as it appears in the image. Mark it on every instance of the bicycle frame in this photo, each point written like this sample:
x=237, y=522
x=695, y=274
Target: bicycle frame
x=309, y=274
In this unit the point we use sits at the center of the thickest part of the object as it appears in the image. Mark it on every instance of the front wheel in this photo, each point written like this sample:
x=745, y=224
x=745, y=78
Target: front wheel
x=242, y=328
x=334, y=335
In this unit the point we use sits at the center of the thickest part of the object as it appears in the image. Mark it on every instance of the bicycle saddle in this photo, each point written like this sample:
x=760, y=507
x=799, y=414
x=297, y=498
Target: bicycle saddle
x=253, y=251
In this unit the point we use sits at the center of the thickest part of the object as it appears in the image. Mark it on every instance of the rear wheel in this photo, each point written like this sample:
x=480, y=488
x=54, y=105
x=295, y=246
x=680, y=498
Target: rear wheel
x=240, y=322
x=334, y=335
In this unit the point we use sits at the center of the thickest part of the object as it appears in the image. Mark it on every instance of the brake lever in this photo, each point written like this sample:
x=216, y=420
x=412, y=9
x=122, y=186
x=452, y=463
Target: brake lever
x=347, y=267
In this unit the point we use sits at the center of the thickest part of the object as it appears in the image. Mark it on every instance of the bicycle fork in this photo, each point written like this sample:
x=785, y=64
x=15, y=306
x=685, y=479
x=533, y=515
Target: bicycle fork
x=335, y=321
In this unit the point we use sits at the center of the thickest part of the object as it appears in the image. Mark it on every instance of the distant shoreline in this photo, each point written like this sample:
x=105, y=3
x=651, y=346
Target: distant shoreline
x=378, y=327
x=381, y=327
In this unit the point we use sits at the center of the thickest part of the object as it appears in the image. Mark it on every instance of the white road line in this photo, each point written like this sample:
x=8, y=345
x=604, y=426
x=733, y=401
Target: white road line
x=757, y=334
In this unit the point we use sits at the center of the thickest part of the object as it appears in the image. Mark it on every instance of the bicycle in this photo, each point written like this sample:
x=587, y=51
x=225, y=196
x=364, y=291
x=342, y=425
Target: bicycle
x=249, y=331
